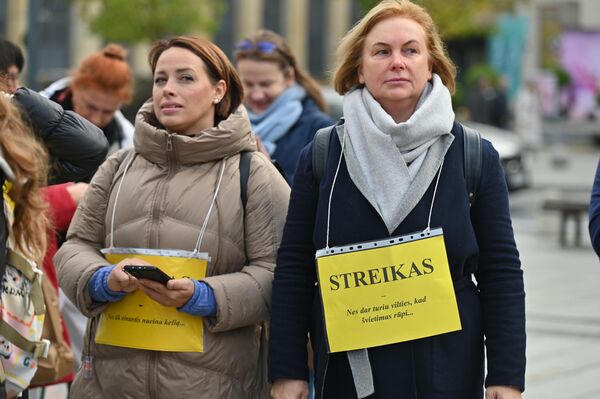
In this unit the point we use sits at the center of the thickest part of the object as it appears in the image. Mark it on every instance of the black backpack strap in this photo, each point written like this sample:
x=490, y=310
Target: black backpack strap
x=245, y=158
x=320, y=149
x=473, y=160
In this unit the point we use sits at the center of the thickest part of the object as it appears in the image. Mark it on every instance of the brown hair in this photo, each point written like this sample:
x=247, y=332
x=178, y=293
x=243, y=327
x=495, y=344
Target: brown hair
x=218, y=67
x=282, y=56
x=349, y=52
x=28, y=160
x=106, y=71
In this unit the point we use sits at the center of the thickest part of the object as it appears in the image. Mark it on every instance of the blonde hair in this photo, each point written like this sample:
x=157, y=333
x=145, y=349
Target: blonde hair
x=349, y=52
x=106, y=71
x=28, y=160
x=282, y=56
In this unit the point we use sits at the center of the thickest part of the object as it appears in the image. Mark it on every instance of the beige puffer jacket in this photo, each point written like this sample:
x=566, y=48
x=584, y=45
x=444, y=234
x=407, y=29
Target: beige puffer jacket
x=162, y=204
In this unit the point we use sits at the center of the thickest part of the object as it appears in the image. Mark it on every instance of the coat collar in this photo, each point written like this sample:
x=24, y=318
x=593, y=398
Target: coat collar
x=229, y=137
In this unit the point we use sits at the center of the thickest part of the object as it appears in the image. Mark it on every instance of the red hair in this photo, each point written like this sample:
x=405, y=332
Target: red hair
x=106, y=71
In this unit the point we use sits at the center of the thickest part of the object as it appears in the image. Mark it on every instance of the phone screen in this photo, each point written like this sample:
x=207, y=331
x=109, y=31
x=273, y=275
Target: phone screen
x=148, y=272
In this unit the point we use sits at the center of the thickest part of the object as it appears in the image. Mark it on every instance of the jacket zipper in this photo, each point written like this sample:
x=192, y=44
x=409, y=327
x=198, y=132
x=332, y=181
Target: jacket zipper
x=159, y=192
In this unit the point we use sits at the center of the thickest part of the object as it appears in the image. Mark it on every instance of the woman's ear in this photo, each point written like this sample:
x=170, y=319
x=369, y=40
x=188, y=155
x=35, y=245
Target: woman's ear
x=220, y=89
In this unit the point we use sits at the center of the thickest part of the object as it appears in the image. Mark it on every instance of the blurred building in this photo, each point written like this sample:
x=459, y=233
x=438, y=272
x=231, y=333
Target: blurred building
x=549, y=19
x=56, y=38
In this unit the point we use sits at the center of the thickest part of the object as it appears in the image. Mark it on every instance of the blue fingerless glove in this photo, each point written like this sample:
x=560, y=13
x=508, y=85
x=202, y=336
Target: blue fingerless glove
x=202, y=303
x=98, y=286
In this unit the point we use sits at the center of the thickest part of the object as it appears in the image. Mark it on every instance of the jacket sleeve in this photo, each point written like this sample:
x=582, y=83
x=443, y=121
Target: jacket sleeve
x=295, y=277
x=594, y=225
x=62, y=207
x=244, y=298
x=76, y=145
x=79, y=257
x=499, y=277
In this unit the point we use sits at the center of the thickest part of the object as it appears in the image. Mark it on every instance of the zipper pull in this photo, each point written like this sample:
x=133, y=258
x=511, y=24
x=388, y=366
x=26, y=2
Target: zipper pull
x=87, y=367
x=170, y=142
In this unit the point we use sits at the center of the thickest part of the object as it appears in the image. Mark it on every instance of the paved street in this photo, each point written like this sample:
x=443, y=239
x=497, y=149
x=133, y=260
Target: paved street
x=562, y=284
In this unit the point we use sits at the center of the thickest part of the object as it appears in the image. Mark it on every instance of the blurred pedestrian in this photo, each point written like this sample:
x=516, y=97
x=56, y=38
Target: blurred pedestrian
x=500, y=115
x=98, y=89
x=395, y=311
x=11, y=64
x=528, y=115
x=174, y=201
x=285, y=104
x=481, y=99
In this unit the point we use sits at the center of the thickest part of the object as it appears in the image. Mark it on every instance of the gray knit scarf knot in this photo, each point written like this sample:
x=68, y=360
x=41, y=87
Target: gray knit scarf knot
x=393, y=164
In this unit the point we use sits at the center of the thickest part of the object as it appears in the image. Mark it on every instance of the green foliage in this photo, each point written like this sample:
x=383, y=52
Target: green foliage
x=459, y=18
x=148, y=20
x=562, y=76
x=477, y=71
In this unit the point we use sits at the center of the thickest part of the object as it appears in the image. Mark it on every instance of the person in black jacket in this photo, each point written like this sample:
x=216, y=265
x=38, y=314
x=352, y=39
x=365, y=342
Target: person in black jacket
x=76, y=146
x=285, y=105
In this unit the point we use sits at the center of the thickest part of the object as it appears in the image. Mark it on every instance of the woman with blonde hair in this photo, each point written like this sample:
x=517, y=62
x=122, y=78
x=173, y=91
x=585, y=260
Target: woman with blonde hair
x=97, y=90
x=173, y=203
x=23, y=224
x=401, y=273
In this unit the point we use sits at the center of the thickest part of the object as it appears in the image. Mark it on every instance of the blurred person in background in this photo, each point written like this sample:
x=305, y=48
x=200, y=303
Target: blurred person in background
x=11, y=64
x=172, y=201
x=284, y=103
x=99, y=87
x=395, y=174
x=528, y=115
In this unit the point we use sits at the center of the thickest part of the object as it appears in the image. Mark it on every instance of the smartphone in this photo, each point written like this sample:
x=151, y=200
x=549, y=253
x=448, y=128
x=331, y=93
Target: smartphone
x=148, y=272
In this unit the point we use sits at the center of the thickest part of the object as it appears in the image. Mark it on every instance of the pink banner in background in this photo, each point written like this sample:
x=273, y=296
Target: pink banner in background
x=580, y=56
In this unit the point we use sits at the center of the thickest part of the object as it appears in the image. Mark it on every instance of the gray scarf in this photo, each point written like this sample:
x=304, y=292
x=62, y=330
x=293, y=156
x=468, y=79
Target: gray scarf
x=393, y=164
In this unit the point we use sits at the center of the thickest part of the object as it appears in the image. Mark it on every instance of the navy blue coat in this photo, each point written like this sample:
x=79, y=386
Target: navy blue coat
x=594, y=224
x=448, y=366
x=300, y=134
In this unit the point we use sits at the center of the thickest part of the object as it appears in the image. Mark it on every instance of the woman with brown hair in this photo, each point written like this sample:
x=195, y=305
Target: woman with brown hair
x=174, y=202
x=97, y=90
x=408, y=286
x=284, y=103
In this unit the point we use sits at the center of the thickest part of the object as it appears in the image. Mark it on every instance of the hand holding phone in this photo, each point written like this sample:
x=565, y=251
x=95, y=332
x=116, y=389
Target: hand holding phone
x=147, y=272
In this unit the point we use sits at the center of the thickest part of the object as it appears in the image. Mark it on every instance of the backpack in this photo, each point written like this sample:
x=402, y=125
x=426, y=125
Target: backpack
x=473, y=157
x=60, y=361
x=21, y=317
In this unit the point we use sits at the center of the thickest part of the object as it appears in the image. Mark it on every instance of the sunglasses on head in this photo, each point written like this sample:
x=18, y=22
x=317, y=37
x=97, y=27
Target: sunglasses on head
x=262, y=46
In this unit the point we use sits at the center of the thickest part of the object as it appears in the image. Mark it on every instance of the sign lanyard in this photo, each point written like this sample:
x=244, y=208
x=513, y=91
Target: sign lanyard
x=136, y=321
x=204, y=224
x=337, y=170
